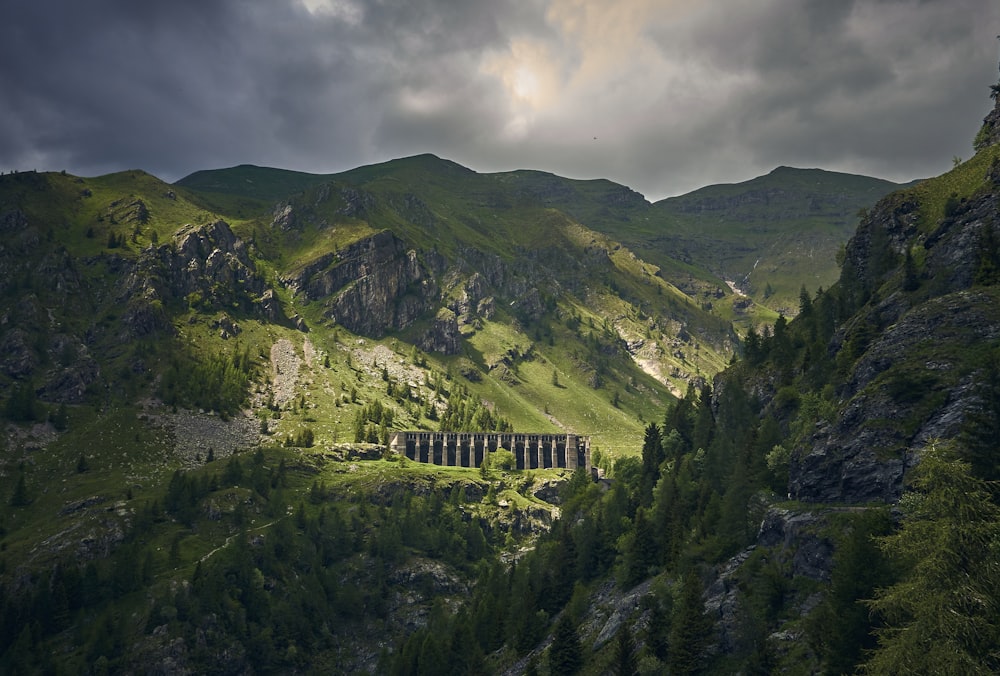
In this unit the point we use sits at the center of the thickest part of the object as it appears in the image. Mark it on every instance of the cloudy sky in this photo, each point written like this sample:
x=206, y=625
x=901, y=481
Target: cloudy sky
x=662, y=95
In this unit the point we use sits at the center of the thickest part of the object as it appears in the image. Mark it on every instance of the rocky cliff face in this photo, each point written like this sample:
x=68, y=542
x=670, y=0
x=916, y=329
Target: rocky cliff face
x=918, y=308
x=205, y=266
x=989, y=133
x=371, y=286
x=378, y=284
x=53, y=327
x=911, y=382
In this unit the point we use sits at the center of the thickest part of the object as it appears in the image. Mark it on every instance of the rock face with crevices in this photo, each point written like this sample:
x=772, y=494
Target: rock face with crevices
x=914, y=372
x=371, y=286
x=206, y=266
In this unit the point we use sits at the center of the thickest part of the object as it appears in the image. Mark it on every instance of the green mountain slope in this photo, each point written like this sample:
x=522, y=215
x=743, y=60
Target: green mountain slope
x=247, y=180
x=772, y=235
x=766, y=238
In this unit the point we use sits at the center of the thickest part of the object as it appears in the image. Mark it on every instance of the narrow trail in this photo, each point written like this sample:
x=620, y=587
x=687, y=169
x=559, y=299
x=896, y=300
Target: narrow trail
x=232, y=537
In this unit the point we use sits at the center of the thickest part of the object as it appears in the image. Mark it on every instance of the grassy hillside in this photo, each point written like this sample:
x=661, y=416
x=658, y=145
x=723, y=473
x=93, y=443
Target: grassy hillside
x=772, y=235
x=768, y=236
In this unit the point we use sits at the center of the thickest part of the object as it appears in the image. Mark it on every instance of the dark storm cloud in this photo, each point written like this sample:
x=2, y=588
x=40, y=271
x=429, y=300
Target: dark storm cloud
x=678, y=93
x=176, y=86
x=889, y=88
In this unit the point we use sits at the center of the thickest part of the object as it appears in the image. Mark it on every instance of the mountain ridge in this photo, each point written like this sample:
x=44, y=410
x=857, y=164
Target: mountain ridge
x=820, y=220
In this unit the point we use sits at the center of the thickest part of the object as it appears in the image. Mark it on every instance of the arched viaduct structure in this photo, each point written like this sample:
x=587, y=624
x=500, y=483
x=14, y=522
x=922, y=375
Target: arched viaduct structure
x=467, y=449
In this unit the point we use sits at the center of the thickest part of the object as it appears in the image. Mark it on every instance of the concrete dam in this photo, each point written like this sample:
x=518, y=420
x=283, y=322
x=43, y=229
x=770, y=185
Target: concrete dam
x=467, y=449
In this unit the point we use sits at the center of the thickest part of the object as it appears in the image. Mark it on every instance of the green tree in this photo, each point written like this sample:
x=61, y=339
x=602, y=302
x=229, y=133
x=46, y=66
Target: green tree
x=565, y=654
x=805, y=303
x=20, y=496
x=652, y=457
x=690, y=629
x=22, y=405
x=943, y=615
x=841, y=627
x=60, y=419
x=639, y=551
x=657, y=629
x=624, y=663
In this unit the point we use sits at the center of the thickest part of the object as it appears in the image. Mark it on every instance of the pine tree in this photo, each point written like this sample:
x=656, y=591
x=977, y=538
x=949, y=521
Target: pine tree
x=943, y=616
x=60, y=419
x=805, y=303
x=841, y=626
x=565, y=654
x=690, y=629
x=652, y=457
x=624, y=664
x=20, y=497
x=658, y=630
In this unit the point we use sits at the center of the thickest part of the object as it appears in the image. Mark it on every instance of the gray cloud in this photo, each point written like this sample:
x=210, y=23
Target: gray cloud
x=679, y=93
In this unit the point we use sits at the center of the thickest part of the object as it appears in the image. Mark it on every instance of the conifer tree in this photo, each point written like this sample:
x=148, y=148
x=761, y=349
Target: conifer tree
x=841, y=627
x=20, y=496
x=690, y=629
x=943, y=616
x=652, y=457
x=624, y=664
x=657, y=630
x=565, y=654
x=805, y=303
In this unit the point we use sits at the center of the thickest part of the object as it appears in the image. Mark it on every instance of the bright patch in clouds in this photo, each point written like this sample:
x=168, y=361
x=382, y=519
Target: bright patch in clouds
x=339, y=9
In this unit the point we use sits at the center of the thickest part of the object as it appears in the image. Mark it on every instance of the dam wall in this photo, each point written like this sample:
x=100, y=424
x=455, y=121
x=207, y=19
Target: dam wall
x=467, y=449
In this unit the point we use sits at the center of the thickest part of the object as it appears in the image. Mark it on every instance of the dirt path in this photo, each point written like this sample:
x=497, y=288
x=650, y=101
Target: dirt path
x=233, y=537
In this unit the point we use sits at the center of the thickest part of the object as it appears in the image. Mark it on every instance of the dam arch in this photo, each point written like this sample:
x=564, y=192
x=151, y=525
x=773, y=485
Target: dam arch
x=467, y=449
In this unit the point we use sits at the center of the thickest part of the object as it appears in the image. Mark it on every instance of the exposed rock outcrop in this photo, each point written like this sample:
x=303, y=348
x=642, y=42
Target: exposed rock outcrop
x=18, y=358
x=205, y=266
x=371, y=286
x=443, y=335
x=989, y=133
x=863, y=455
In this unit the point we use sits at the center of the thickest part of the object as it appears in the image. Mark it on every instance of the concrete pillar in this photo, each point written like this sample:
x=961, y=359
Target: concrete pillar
x=479, y=447
x=568, y=453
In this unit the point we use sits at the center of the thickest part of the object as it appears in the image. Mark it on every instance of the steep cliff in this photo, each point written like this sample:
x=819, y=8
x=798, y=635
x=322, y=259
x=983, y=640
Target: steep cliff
x=872, y=372
x=371, y=286
x=924, y=287
x=205, y=267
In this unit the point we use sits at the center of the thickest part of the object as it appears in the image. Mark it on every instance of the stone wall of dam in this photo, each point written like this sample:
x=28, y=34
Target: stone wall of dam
x=467, y=449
